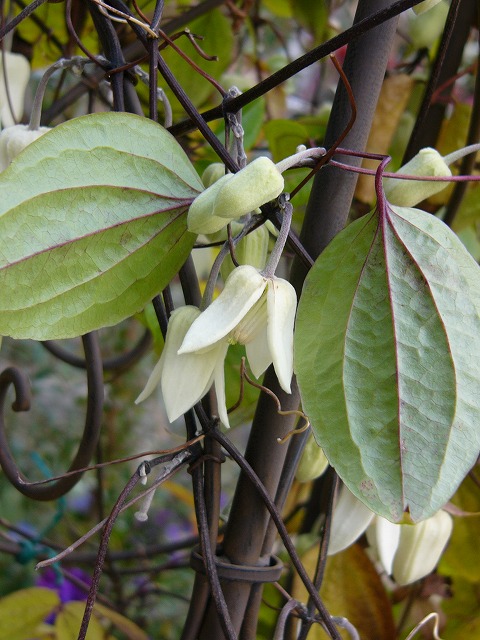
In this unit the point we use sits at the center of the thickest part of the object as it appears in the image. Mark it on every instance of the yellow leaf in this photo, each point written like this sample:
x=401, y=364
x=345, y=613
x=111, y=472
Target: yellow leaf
x=21, y=612
x=352, y=589
x=393, y=100
x=460, y=559
x=461, y=611
x=68, y=621
x=129, y=628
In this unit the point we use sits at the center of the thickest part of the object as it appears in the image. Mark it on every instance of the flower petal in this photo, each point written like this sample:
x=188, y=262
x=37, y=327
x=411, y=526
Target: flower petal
x=152, y=381
x=219, y=380
x=350, y=519
x=420, y=547
x=383, y=536
x=258, y=354
x=281, y=306
x=243, y=288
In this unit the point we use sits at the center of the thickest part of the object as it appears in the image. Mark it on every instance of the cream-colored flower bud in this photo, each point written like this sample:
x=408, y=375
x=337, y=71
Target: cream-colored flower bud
x=420, y=547
x=408, y=193
x=234, y=195
x=252, y=249
x=312, y=463
x=200, y=217
x=17, y=75
x=213, y=173
x=13, y=140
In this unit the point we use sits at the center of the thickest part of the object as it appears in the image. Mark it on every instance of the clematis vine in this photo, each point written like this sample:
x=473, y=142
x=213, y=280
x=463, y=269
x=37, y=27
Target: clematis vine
x=255, y=309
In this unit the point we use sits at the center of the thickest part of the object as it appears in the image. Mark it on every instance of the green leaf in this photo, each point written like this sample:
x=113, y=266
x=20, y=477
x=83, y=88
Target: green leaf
x=69, y=619
x=93, y=225
x=460, y=558
x=217, y=41
x=22, y=611
x=284, y=136
x=386, y=350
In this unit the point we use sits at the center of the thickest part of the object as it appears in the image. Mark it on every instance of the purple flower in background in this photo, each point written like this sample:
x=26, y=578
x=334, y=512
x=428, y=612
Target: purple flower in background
x=66, y=589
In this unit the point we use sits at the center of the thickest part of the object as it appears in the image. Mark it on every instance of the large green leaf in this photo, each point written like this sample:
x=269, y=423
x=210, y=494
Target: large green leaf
x=92, y=225
x=22, y=611
x=386, y=354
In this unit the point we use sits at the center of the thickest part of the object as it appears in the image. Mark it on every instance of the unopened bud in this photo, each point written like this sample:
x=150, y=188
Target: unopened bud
x=408, y=193
x=420, y=547
x=235, y=195
x=252, y=249
x=312, y=463
x=14, y=139
x=213, y=173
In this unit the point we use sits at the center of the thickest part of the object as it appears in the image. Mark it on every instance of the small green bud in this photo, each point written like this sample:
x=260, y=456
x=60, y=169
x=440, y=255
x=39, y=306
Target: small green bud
x=252, y=249
x=408, y=193
x=213, y=173
x=312, y=463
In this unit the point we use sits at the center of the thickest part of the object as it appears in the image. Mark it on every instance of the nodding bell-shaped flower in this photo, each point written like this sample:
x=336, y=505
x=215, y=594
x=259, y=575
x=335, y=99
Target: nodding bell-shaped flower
x=408, y=193
x=408, y=552
x=185, y=379
x=254, y=310
x=234, y=195
x=420, y=547
x=14, y=139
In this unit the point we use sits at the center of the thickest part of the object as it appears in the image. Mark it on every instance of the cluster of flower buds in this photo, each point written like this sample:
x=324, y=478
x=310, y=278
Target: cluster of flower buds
x=408, y=552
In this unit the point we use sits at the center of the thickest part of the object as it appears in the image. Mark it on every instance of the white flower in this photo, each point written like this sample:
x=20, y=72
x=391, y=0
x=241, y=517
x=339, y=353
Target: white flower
x=408, y=552
x=185, y=379
x=17, y=75
x=253, y=310
x=420, y=547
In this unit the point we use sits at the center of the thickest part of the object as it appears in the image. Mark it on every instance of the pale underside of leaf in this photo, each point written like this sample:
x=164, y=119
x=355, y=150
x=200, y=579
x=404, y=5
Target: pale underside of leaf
x=385, y=373
x=93, y=225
